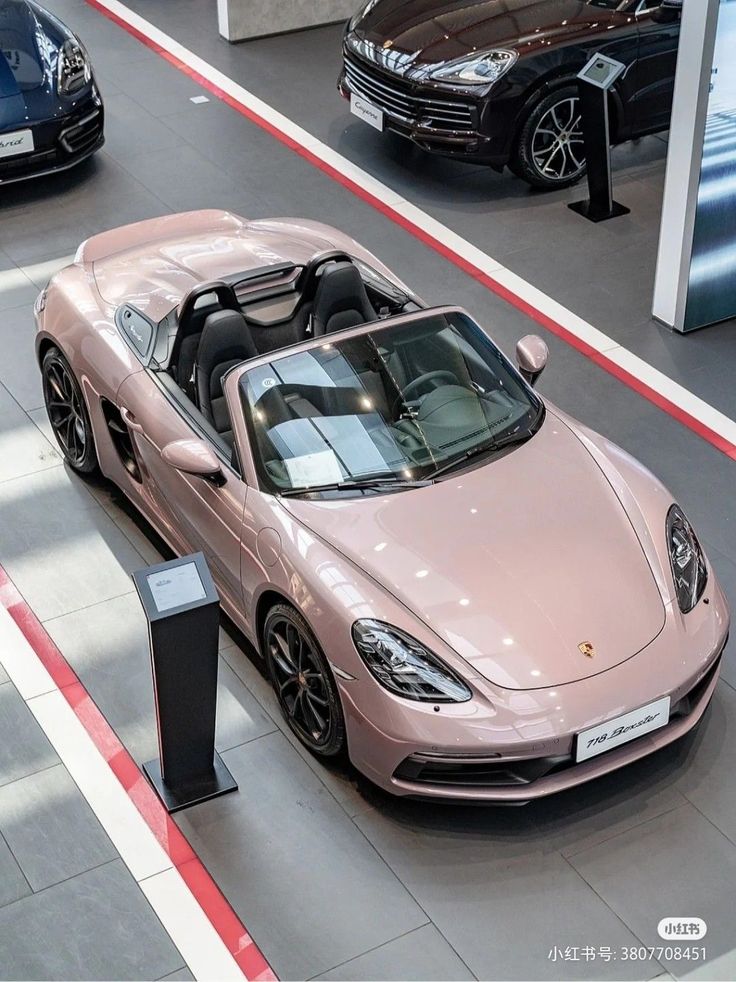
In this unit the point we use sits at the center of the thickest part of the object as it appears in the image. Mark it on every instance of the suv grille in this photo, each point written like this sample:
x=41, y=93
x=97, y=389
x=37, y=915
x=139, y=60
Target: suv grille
x=399, y=99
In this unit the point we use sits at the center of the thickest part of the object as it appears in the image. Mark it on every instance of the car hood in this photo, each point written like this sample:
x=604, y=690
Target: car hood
x=515, y=564
x=22, y=64
x=434, y=31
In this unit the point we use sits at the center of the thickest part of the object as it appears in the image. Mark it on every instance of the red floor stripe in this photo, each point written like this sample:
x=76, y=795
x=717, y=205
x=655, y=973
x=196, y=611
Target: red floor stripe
x=544, y=320
x=208, y=895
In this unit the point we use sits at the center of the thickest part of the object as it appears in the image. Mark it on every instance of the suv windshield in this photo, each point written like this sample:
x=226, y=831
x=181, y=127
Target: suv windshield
x=392, y=405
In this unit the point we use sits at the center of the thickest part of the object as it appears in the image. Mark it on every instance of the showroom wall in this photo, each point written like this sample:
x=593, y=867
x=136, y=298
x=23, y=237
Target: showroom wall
x=241, y=19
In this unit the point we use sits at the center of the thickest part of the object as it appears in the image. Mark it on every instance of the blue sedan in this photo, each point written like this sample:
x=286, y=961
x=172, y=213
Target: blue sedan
x=51, y=113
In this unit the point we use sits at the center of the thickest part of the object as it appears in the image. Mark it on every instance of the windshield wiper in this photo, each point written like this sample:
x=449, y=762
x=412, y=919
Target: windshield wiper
x=370, y=484
x=491, y=446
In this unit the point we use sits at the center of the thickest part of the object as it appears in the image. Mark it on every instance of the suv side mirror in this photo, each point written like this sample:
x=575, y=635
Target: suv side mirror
x=194, y=457
x=668, y=11
x=531, y=357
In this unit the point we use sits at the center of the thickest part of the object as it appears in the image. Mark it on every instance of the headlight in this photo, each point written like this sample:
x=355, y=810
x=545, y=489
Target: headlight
x=687, y=560
x=364, y=10
x=478, y=70
x=404, y=666
x=74, y=70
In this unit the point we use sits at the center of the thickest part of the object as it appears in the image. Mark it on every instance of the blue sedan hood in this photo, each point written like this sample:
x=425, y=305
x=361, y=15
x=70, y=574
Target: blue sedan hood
x=25, y=48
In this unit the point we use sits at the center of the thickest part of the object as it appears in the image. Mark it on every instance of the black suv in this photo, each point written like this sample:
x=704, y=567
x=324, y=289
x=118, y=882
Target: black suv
x=493, y=81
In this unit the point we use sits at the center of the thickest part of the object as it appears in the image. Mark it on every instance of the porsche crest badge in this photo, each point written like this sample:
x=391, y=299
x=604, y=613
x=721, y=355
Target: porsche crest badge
x=587, y=649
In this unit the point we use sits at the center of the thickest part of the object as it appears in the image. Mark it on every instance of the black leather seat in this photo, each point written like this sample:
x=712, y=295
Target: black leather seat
x=226, y=341
x=340, y=300
x=186, y=361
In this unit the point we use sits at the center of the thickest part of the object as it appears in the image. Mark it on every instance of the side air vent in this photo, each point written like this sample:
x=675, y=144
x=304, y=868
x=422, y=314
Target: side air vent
x=120, y=436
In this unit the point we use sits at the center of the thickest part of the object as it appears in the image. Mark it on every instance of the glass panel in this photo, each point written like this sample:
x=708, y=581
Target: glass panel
x=396, y=402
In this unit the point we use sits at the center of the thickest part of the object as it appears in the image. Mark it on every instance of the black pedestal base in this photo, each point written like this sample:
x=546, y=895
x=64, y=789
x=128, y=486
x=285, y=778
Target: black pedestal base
x=596, y=214
x=220, y=781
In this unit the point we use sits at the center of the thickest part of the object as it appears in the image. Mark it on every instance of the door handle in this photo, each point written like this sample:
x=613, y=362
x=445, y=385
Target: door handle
x=130, y=420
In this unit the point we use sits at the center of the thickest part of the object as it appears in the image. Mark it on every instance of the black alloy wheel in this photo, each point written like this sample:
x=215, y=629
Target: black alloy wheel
x=67, y=413
x=551, y=150
x=303, y=682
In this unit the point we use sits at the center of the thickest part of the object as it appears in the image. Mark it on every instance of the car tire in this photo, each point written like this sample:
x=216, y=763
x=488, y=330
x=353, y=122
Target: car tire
x=303, y=682
x=549, y=151
x=67, y=413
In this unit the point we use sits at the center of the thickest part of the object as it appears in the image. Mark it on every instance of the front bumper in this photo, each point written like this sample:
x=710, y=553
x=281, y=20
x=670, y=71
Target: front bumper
x=514, y=746
x=59, y=143
x=453, y=123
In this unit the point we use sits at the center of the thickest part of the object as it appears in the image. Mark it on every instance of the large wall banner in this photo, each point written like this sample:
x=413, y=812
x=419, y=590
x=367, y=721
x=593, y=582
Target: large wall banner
x=696, y=273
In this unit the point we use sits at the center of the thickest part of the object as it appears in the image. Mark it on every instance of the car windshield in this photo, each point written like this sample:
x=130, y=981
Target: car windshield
x=393, y=405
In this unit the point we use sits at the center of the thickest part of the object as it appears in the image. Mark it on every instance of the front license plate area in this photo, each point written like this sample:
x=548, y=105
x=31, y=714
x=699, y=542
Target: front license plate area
x=13, y=144
x=366, y=111
x=622, y=729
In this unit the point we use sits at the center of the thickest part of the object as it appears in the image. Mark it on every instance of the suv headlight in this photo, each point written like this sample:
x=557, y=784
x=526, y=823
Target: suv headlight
x=74, y=70
x=686, y=559
x=478, y=70
x=404, y=666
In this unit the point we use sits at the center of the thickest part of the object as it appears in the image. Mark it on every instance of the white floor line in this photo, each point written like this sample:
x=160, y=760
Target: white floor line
x=701, y=411
x=186, y=923
x=196, y=939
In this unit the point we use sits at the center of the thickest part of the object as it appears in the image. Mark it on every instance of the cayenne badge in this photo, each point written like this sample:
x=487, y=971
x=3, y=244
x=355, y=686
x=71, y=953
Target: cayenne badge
x=587, y=649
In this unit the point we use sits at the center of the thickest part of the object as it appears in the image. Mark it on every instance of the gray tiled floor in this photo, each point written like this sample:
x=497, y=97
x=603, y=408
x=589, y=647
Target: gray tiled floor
x=420, y=954
x=332, y=878
x=330, y=898
x=13, y=884
x=24, y=748
x=68, y=907
x=97, y=925
x=51, y=829
x=634, y=874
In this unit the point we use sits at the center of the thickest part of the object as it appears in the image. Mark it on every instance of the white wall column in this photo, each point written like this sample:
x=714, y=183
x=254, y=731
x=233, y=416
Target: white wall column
x=696, y=265
x=241, y=19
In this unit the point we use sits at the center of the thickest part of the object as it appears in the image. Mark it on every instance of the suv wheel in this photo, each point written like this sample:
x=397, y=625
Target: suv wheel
x=550, y=152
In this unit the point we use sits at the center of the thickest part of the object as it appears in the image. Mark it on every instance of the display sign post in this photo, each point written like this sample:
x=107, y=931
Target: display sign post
x=695, y=283
x=183, y=612
x=594, y=83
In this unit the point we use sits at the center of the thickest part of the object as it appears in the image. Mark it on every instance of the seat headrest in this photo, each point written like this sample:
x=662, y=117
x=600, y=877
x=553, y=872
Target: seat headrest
x=225, y=335
x=341, y=299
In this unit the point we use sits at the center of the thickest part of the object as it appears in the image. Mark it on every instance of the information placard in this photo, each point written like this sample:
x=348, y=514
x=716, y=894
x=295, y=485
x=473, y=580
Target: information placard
x=176, y=586
x=601, y=71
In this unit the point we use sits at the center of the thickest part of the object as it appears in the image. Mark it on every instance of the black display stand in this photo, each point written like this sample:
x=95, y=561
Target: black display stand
x=594, y=84
x=183, y=612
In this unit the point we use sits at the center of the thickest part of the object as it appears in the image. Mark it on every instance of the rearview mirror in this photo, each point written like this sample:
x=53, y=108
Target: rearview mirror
x=194, y=457
x=531, y=357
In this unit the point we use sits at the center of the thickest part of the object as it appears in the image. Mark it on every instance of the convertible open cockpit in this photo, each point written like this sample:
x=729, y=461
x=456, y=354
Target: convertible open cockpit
x=220, y=324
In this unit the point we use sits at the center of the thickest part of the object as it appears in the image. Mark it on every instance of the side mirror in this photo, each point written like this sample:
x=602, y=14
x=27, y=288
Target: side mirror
x=668, y=11
x=531, y=357
x=194, y=457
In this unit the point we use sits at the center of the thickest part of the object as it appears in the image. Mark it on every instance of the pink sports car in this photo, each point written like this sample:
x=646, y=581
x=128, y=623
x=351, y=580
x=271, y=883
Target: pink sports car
x=450, y=580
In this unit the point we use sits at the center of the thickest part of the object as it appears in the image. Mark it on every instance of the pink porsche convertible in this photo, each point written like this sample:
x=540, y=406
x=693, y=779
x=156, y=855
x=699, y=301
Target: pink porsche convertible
x=451, y=581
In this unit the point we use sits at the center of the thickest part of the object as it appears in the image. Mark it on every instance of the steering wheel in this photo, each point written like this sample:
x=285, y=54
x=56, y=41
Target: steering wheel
x=431, y=379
